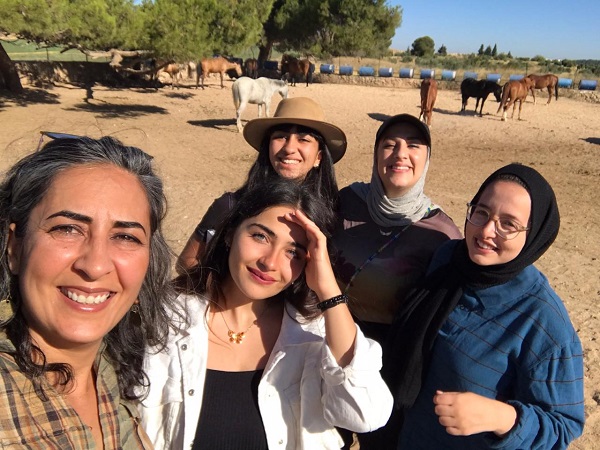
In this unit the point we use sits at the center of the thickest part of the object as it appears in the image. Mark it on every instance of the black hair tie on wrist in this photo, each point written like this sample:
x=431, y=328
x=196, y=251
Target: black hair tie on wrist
x=333, y=301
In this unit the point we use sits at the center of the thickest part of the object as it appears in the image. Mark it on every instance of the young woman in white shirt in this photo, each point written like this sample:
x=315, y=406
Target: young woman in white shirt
x=271, y=357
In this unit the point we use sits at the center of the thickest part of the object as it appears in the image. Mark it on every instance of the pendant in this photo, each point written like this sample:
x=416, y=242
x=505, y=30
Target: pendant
x=236, y=337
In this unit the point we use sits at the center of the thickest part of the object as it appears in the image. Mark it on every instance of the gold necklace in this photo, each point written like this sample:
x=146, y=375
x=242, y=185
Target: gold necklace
x=238, y=336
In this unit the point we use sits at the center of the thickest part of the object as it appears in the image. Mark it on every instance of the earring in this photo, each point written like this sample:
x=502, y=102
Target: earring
x=316, y=166
x=135, y=317
x=6, y=309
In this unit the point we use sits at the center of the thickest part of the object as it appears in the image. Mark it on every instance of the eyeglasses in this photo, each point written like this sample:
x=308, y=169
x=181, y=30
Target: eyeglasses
x=53, y=135
x=507, y=228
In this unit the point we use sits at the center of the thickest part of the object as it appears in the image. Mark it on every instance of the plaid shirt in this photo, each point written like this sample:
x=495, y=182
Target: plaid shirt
x=26, y=421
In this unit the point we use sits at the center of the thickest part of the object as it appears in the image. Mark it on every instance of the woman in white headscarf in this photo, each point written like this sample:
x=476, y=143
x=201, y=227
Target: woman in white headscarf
x=390, y=231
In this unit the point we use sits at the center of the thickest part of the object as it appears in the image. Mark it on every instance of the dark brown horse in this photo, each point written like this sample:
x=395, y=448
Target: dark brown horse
x=547, y=81
x=251, y=68
x=513, y=92
x=480, y=89
x=293, y=66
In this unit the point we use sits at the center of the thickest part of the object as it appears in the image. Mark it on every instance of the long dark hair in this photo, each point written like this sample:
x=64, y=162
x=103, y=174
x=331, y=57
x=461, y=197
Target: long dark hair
x=208, y=277
x=23, y=187
x=320, y=181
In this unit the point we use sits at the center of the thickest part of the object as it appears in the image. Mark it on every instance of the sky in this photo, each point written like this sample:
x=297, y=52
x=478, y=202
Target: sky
x=567, y=29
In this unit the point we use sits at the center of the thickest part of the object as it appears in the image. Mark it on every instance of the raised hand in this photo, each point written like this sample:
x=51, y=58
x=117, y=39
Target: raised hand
x=318, y=271
x=340, y=329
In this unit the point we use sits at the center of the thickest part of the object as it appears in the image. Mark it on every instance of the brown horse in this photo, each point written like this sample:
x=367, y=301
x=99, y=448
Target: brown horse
x=547, y=81
x=251, y=68
x=294, y=66
x=175, y=71
x=218, y=65
x=429, y=88
x=513, y=92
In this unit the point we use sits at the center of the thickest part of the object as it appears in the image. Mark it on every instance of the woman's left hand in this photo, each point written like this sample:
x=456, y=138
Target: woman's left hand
x=467, y=413
x=318, y=271
x=340, y=329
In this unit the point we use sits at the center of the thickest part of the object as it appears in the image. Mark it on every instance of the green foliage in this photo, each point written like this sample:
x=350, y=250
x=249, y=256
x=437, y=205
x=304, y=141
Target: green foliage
x=588, y=67
x=406, y=58
x=539, y=58
x=423, y=46
x=95, y=24
x=488, y=51
x=192, y=29
x=480, y=51
x=495, y=50
x=442, y=51
x=332, y=27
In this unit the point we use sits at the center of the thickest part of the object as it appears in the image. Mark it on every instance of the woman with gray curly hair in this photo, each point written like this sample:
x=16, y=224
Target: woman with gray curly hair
x=84, y=289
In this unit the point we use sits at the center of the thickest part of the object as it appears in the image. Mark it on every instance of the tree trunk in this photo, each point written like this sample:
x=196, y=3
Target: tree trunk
x=9, y=72
x=264, y=51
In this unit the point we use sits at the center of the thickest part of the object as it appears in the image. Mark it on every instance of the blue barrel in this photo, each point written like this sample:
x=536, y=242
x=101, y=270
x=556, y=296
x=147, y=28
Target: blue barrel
x=327, y=68
x=366, y=71
x=271, y=65
x=385, y=71
x=406, y=73
x=346, y=70
x=448, y=75
x=516, y=77
x=565, y=83
x=470, y=75
x=427, y=73
x=494, y=77
x=588, y=85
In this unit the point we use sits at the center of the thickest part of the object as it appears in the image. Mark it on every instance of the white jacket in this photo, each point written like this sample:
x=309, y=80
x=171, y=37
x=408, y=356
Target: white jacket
x=302, y=395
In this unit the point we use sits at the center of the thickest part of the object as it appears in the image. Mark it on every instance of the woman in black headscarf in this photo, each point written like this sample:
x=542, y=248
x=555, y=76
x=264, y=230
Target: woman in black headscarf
x=483, y=354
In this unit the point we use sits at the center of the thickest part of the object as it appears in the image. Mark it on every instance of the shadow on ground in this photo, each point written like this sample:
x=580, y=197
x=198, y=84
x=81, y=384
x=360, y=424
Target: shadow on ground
x=592, y=140
x=108, y=110
x=218, y=124
x=29, y=96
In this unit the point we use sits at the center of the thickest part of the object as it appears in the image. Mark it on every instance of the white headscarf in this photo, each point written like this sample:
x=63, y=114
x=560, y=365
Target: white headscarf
x=393, y=212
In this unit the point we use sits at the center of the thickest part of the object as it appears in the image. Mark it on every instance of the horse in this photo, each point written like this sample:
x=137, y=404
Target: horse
x=218, y=65
x=513, y=92
x=294, y=66
x=547, y=81
x=429, y=88
x=251, y=68
x=259, y=92
x=175, y=71
x=480, y=89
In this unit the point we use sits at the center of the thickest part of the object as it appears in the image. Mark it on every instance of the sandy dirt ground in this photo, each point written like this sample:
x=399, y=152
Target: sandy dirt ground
x=200, y=154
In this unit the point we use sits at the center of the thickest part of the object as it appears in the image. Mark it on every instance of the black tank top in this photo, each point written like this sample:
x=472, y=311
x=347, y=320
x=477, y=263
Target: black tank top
x=229, y=418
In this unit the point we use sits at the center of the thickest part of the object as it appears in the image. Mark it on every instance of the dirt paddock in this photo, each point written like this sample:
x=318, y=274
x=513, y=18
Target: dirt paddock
x=193, y=137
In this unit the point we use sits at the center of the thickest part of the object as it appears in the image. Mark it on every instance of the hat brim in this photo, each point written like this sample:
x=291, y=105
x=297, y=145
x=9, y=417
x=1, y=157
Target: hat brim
x=255, y=130
x=405, y=118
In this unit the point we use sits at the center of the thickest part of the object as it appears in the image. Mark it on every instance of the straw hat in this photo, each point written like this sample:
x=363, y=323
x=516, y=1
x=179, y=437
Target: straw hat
x=298, y=111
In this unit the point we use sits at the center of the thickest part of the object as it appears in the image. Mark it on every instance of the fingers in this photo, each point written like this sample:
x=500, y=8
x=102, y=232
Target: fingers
x=444, y=398
x=309, y=226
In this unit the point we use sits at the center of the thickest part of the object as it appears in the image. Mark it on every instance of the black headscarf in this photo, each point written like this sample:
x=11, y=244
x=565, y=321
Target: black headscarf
x=427, y=307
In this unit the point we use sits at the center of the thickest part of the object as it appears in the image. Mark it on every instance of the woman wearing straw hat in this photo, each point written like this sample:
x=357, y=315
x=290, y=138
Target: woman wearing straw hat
x=296, y=143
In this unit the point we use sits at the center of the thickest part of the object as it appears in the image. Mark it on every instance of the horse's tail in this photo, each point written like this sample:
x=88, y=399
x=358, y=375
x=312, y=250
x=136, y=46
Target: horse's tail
x=556, y=88
x=505, y=94
x=235, y=89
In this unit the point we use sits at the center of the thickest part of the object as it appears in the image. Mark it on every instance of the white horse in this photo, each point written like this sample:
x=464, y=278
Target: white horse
x=259, y=92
